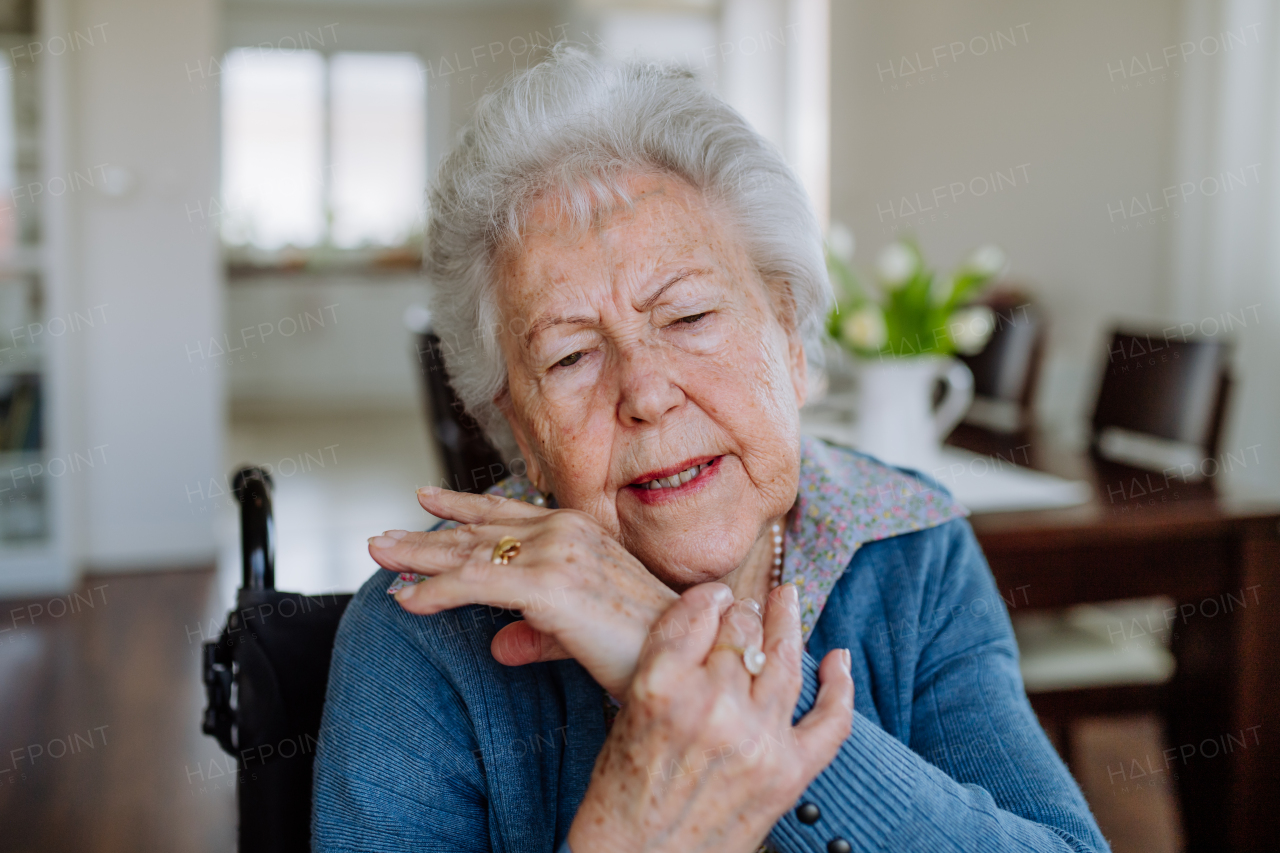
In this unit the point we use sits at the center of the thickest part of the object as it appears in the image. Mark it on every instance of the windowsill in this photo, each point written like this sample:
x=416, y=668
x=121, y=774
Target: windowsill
x=371, y=264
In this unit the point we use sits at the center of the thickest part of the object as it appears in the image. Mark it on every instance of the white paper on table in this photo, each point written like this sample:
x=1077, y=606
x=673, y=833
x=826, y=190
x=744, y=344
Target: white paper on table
x=980, y=483
x=989, y=484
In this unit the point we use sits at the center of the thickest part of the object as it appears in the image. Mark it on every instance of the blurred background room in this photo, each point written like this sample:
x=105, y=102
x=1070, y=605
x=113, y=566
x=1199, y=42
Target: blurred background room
x=1053, y=232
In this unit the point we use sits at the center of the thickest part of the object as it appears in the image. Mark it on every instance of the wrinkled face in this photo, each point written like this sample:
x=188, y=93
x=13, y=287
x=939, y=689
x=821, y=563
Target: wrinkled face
x=653, y=350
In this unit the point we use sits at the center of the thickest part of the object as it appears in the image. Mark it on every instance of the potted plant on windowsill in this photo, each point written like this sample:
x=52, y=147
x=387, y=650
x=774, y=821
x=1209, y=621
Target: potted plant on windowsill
x=904, y=333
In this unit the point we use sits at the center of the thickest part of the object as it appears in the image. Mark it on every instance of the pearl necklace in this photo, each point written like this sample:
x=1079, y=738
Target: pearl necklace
x=775, y=576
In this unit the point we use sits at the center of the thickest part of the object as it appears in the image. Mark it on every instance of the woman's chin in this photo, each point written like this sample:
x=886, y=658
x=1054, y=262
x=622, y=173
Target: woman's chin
x=680, y=578
x=689, y=560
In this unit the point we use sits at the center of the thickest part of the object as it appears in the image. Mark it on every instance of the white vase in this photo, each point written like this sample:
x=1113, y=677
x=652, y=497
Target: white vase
x=896, y=418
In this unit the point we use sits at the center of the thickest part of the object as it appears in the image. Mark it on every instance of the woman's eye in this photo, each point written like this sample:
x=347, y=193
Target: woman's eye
x=568, y=360
x=692, y=318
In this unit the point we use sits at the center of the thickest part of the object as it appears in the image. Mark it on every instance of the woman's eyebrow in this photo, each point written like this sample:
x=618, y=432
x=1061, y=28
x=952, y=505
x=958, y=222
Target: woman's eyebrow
x=543, y=323
x=679, y=276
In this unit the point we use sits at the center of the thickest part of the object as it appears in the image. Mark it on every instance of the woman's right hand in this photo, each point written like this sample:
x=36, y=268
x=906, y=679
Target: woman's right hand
x=581, y=593
x=703, y=756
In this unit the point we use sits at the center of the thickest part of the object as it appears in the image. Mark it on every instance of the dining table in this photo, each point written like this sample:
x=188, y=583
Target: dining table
x=1210, y=548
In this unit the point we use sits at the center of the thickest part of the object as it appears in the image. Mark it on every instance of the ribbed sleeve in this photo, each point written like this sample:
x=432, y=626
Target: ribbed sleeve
x=880, y=795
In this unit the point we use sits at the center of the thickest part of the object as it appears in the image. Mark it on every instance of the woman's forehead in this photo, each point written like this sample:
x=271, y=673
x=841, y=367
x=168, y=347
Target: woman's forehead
x=665, y=223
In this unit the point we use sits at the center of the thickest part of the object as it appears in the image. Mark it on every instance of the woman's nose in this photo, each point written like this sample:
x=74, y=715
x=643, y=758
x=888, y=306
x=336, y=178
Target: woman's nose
x=647, y=385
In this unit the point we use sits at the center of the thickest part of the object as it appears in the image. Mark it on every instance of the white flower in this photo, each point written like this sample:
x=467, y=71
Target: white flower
x=987, y=261
x=865, y=328
x=971, y=328
x=840, y=240
x=896, y=264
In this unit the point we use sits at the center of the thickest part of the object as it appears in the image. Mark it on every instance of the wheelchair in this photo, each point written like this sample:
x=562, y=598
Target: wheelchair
x=265, y=679
x=265, y=676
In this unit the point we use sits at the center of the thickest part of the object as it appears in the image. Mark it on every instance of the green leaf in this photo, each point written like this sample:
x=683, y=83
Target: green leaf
x=915, y=325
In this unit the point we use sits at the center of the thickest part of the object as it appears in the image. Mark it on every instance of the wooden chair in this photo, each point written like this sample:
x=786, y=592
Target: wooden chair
x=471, y=462
x=1159, y=400
x=1006, y=370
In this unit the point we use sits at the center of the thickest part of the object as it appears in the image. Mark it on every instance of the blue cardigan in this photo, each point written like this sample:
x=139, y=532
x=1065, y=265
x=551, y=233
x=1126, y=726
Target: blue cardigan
x=427, y=743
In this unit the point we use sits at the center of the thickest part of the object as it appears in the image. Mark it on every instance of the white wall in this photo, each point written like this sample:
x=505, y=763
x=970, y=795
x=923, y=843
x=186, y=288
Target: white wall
x=130, y=104
x=322, y=345
x=1046, y=110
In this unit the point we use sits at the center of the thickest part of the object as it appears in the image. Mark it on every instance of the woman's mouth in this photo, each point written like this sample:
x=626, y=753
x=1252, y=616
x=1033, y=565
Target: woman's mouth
x=681, y=483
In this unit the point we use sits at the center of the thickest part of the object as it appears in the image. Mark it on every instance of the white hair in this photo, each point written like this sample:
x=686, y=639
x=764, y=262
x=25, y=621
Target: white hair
x=568, y=130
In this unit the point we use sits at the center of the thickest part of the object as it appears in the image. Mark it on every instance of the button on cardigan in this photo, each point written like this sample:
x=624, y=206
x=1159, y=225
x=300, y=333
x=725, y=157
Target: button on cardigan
x=427, y=743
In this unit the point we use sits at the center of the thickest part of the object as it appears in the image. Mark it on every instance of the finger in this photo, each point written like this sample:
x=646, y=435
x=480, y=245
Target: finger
x=740, y=627
x=520, y=643
x=679, y=641
x=686, y=631
x=479, y=583
x=828, y=723
x=435, y=551
x=779, y=684
x=474, y=509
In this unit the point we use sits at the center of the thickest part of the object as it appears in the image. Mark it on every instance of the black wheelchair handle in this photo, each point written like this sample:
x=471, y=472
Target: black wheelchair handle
x=252, y=486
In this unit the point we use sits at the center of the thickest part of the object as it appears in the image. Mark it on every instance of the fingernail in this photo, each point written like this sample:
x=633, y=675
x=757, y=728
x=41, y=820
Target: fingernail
x=396, y=534
x=382, y=542
x=752, y=604
x=405, y=594
x=722, y=593
x=848, y=659
x=789, y=594
x=428, y=490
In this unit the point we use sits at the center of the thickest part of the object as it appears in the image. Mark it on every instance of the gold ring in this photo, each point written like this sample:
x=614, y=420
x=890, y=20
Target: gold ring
x=507, y=547
x=752, y=657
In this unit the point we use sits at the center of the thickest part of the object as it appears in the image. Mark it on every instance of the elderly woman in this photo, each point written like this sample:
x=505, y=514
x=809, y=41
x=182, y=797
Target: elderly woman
x=619, y=649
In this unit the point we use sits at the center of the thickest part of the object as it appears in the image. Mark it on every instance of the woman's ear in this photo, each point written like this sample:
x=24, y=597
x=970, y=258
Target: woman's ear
x=533, y=463
x=799, y=367
x=785, y=310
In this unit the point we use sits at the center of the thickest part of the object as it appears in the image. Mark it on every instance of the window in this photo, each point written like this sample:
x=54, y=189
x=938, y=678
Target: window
x=322, y=151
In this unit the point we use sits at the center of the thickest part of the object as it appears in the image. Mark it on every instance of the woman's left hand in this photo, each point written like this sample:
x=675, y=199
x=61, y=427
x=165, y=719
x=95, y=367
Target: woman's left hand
x=704, y=755
x=582, y=594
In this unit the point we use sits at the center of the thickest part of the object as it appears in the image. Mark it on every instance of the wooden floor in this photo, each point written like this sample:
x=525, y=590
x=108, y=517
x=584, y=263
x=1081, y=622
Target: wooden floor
x=119, y=682
x=1124, y=775
x=100, y=743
